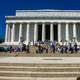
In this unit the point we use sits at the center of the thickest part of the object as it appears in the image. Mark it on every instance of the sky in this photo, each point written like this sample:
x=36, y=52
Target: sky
x=8, y=7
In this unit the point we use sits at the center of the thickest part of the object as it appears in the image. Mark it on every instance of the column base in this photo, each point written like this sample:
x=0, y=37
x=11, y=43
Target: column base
x=10, y=43
x=17, y=43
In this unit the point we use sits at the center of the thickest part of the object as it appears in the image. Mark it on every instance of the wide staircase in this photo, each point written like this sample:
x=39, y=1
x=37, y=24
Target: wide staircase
x=24, y=71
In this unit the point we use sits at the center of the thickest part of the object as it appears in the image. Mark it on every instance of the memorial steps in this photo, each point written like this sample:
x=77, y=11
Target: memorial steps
x=28, y=78
x=23, y=71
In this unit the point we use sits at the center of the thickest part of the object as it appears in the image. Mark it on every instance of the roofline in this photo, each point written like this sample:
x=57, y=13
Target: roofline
x=47, y=10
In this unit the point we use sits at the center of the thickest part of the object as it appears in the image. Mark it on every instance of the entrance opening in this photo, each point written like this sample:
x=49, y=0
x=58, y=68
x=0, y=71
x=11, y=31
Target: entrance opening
x=47, y=32
x=39, y=32
x=56, y=32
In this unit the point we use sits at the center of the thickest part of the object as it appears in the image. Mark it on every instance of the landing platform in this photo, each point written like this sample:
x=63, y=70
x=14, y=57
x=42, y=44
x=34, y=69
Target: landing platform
x=41, y=60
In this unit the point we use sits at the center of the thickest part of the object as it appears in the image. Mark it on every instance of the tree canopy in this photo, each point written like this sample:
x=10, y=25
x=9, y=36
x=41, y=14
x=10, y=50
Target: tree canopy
x=1, y=40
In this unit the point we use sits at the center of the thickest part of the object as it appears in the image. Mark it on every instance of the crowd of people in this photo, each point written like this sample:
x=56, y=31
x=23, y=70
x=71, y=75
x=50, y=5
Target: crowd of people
x=45, y=47
x=62, y=47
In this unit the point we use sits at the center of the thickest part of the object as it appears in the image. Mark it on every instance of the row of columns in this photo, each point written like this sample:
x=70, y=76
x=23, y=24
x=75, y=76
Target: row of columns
x=43, y=32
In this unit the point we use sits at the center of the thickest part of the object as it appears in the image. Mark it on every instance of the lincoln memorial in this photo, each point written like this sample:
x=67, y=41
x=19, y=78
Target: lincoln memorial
x=41, y=25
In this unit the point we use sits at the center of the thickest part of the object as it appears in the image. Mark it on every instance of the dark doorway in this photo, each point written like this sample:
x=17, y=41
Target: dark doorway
x=56, y=32
x=47, y=32
x=39, y=32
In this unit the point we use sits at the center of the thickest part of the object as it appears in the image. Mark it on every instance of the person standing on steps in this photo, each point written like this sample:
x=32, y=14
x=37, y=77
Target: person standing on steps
x=78, y=78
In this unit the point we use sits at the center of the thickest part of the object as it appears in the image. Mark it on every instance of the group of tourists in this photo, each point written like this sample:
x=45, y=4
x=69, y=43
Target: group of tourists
x=62, y=47
x=45, y=47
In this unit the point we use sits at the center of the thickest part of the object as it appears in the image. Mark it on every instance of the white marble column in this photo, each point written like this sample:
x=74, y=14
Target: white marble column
x=6, y=35
x=59, y=32
x=20, y=32
x=51, y=32
x=27, y=33
x=67, y=31
x=13, y=32
x=43, y=32
x=74, y=30
x=35, y=32
x=9, y=34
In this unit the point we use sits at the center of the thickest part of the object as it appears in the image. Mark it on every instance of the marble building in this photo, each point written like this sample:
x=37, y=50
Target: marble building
x=42, y=25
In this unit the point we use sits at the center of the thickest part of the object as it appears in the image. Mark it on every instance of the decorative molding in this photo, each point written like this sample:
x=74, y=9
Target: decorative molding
x=48, y=13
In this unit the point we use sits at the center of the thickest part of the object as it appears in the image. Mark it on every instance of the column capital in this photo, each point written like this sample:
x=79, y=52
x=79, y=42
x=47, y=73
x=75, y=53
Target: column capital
x=51, y=23
x=73, y=22
x=43, y=22
x=35, y=22
x=67, y=24
x=28, y=23
x=59, y=24
x=7, y=23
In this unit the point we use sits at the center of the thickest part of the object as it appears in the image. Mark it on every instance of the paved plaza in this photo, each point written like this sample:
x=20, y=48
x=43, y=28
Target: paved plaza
x=51, y=60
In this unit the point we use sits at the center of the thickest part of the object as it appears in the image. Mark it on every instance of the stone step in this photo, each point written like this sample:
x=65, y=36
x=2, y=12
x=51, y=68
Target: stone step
x=40, y=69
x=38, y=74
x=40, y=65
x=29, y=78
x=14, y=71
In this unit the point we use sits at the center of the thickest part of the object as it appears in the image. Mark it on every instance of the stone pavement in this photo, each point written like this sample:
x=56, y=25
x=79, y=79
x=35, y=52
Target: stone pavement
x=49, y=60
x=39, y=68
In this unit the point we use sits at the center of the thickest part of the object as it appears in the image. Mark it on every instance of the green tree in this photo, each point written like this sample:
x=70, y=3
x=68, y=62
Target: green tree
x=1, y=40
